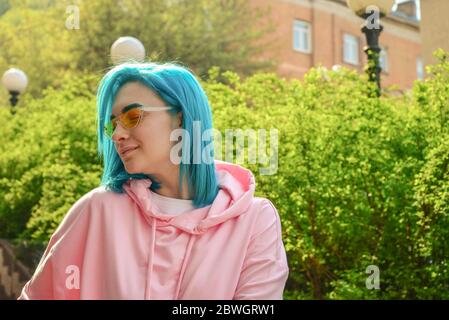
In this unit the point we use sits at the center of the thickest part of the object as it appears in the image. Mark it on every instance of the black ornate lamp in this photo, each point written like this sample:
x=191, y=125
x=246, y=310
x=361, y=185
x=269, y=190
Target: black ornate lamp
x=371, y=11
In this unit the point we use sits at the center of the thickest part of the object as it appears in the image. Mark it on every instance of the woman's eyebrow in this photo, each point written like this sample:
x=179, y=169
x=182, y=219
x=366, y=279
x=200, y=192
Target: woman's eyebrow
x=128, y=107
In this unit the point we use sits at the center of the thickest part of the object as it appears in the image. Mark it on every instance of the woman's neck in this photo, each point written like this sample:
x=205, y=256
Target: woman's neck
x=169, y=185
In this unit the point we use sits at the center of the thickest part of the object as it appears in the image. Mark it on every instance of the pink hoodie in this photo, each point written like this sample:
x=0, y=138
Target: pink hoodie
x=119, y=246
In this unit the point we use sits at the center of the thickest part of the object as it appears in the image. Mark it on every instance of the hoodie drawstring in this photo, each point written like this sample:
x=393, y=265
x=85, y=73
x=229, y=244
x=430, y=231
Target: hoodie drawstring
x=184, y=264
x=192, y=239
x=150, y=260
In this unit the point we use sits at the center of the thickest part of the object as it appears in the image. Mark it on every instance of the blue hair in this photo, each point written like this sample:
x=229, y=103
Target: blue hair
x=179, y=88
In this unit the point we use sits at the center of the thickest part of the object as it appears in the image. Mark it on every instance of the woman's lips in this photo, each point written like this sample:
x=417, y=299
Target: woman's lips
x=129, y=152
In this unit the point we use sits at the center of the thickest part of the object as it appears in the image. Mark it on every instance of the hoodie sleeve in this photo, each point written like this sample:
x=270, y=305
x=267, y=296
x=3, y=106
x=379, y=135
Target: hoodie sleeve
x=60, y=263
x=265, y=269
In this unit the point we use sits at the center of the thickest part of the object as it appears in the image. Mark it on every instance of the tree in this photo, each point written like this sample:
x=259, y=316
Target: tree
x=36, y=42
x=197, y=33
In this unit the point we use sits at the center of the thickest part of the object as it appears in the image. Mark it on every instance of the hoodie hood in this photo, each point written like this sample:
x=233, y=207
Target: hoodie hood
x=236, y=192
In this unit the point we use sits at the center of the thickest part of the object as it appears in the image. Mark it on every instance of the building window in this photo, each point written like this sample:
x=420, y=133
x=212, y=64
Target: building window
x=420, y=68
x=350, y=49
x=302, y=41
x=383, y=59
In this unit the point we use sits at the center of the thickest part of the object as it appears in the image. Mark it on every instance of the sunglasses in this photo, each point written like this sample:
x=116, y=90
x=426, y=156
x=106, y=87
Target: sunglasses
x=130, y=117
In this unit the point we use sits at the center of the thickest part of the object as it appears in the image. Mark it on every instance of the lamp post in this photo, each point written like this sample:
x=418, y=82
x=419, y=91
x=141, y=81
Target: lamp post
x=371, y=11
x=126, y=49
x=15, y=81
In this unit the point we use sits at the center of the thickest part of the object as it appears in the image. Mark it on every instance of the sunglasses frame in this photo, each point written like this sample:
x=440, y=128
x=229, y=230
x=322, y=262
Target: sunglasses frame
x=142, y=110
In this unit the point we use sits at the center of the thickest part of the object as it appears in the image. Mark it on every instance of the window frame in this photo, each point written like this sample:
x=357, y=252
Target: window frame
x=299, y=26
x=385, y=51
x=347, y=36
x=420, y=65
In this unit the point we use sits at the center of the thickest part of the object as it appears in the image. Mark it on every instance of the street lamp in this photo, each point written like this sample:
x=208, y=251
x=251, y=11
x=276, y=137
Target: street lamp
x=371, y=11
x=126, y=49
x=15, y=81
x=336, y=67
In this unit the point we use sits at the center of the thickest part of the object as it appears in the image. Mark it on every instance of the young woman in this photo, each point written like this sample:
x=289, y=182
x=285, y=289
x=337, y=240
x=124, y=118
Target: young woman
x=164, y=223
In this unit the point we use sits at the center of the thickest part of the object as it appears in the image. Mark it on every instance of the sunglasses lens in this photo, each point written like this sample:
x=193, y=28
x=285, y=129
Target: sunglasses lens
x=129, y=119
x=108, y=129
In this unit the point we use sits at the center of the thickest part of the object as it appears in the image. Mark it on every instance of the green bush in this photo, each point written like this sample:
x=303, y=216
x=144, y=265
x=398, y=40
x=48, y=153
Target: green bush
x=346, y=187
x=48, y=159
x=360, y=181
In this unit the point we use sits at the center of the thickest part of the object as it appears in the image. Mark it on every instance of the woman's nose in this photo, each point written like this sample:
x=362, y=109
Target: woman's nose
x=119, y=132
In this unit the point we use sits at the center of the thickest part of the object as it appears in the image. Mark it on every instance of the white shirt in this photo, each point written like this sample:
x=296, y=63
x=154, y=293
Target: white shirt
x=172, y=206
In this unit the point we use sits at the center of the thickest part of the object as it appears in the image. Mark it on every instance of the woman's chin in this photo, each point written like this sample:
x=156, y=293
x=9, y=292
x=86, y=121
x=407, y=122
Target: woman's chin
x=131, y=169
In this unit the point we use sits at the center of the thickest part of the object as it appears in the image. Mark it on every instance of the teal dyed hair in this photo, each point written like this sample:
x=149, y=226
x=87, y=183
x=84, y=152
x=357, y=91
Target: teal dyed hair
x=179, y=88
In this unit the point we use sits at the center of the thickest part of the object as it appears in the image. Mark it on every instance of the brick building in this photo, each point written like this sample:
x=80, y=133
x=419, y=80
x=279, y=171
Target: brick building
x=434, y=27
x=327, y=32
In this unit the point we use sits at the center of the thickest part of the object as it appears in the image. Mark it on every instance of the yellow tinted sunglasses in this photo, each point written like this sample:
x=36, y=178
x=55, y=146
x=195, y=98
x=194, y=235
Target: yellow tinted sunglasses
x=130, y=117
